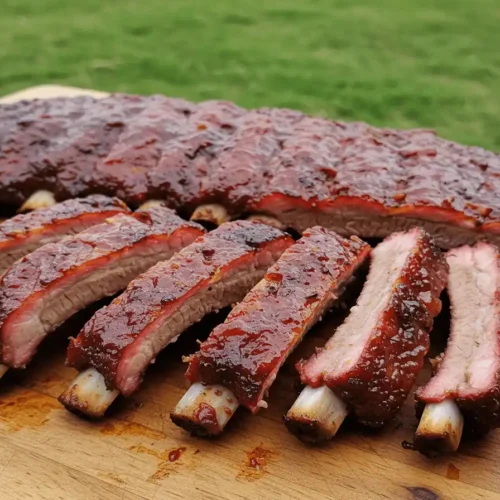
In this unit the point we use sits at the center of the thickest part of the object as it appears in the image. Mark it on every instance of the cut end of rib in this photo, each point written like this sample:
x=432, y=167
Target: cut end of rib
x=151, y=203
x=316, y=415
x=440, y=429
x=210, y=214
x=3, y=370
x=205, y=409
x=39, y=199
x=88, y=395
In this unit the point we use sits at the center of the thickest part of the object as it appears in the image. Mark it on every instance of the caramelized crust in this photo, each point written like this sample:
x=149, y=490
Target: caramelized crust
x=39, y=291
x=56, y=144
x=245, y=353
x=26, y=232
x=213, y=272
x=349, y=177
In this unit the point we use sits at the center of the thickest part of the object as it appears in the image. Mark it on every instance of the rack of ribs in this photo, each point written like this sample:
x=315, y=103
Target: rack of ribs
x=466, y=386
x=241, y=358
x=369, y=365
x=215, y=161
x=24, y=233
x=120, y=341
x=46, y=287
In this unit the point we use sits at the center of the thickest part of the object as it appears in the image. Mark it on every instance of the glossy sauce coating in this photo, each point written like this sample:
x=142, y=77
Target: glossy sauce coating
x=56, y=146
x=267, y=160
x=246, y=351
x=164, y=288
x=377, y=384
x=96, y=208
x=46, y=266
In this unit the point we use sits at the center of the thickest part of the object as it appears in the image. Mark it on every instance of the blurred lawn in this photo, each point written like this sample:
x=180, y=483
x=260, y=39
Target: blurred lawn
x=407, y=63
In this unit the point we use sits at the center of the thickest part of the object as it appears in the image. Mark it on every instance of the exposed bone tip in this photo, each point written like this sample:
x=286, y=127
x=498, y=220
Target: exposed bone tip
x=39, y=199
x=440, y=429
x=151, y=203
x=211, y=213
x=205, y=409
x=88, y=395
x=316, y=415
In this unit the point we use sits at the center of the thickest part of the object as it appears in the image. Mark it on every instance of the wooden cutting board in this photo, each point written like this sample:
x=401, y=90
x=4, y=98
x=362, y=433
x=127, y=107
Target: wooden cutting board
x=137, y=453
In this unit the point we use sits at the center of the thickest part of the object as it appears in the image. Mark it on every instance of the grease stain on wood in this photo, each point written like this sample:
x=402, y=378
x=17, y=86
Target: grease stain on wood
x=18, y=412
x=168, y=460
x=254, y=466
x=453, y=472
x=130, y=429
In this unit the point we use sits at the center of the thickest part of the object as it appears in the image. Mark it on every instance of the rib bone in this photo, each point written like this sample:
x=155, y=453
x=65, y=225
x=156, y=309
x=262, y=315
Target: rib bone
x=211, y=213
x=440, y=428
x=39, y=199
x=316, y=415
x=205, y=409
x=88, y=394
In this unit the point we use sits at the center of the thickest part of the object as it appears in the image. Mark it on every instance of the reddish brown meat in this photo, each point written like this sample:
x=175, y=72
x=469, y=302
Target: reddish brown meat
x=349, y=177
x=57, y=143
x=245, y=353
x=26, y=232
x=372, y=360
x=46, y=287
x=469, y=371
x=217, y=270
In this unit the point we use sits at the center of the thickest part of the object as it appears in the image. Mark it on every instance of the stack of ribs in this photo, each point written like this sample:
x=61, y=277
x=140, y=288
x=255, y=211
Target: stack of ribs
x=111, y=193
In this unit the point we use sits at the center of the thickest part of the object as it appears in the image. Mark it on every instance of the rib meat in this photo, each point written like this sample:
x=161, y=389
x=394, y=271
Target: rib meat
x=245, y=353
x=469, y=371
x=349, y=177
x=49, y=285
x=55, y=146
x=24, y=233
x=121, y=340
x=372, y=360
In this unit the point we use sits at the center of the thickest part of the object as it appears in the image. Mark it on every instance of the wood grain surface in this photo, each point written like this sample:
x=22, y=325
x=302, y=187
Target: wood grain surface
x=137, y=453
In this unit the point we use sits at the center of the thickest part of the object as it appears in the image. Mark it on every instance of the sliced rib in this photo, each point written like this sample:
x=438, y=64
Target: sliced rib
x=467, y=383
x=46, y=287
x=121, y=340
x=371, y=362
x=245, y=353
x=24, y=233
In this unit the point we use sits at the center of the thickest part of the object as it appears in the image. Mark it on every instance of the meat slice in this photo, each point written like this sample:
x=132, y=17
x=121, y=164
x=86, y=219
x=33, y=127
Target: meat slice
x=245, y=353
x=369, y=366
x=467, y=383
x=121, y=340
x=46, y=287
x=24, y=233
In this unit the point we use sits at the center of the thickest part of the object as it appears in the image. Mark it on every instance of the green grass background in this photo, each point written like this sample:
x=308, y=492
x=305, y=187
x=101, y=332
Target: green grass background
x=406, y=63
